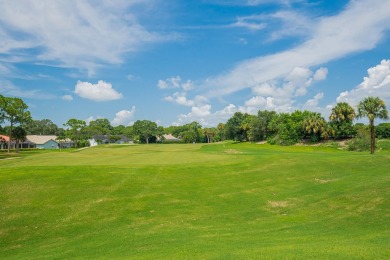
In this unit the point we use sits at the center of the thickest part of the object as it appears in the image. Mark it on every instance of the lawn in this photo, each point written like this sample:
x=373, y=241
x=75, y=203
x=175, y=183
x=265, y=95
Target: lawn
x=178, y=201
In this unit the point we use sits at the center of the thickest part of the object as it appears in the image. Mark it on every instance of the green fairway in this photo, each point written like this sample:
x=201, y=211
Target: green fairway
x=179, y=201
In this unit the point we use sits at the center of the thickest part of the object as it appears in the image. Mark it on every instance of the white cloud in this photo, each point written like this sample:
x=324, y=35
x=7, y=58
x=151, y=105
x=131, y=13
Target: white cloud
x=123, y=117
x=9, y=89
x=320, y=74
x=312, y=103
x=181, y=99
x=332, y=38
x=67, y=97
x=280, y=95
x=201, y=111
x=102, y=91
x=377, y=83
x=292, y=24
x=175, y=82
x=74, y=34
x=250, y=22
x=200, y=114
x=257, y=101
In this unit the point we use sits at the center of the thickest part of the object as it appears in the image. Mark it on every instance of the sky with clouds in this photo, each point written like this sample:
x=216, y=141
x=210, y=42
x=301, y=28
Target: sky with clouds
x=174, y=62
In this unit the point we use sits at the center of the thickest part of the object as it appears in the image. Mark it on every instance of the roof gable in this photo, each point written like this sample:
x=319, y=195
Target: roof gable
x=4, y=137
x=41, y=139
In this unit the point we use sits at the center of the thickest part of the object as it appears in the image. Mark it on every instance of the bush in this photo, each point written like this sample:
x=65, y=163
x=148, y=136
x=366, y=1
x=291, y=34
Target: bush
x=362, y=141
x=382, y=131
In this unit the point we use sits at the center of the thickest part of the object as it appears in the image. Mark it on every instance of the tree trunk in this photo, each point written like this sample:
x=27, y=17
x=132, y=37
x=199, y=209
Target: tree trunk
x=372, y=137
x=9, y=141
x=147, y=140
x=17, y=146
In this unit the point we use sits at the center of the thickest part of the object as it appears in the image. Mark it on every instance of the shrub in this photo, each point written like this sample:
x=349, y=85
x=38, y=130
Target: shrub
x=361, y=142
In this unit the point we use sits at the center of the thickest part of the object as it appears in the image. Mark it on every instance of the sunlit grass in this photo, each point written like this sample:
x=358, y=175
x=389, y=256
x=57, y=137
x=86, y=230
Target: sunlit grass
x=196, y=201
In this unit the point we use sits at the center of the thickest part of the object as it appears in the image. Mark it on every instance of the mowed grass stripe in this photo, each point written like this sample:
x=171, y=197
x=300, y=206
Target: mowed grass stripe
x=193, y=201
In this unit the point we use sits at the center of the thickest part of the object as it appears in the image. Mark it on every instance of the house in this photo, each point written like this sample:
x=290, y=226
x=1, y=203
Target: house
x=107, y=139
x=43, y=141
x=4, y=141
x=169, y=138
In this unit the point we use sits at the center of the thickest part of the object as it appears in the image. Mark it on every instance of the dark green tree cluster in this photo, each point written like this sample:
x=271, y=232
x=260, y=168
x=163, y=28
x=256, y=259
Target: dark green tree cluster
x=291, y=128
x=276, y=128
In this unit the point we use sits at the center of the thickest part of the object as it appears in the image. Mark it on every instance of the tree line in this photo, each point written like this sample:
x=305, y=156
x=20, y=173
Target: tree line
x=270, y=126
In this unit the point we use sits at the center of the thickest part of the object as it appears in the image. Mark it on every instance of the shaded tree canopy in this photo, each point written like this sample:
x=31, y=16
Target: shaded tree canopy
x=42, y=127
x=145, y=129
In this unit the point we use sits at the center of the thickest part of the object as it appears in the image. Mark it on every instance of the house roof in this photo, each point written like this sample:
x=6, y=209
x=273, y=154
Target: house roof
x=170, y=137
x=107, y=137
x=41, y=139
x=4, y=137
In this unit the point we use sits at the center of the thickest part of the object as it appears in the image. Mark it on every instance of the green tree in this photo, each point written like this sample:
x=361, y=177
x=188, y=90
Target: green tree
x=42, y=127
x=382, y=130
x=76, y=131
x=100, y=126
x=341, y=119
x=145, y=129
x=18, y=135
x=14, y=110
x=237, y=127
x=61, y=138
x=118, y=130
x=316, y=127
x=114, y=138
x=221, y=131
x=210, y=133
x=287, y=129
x=160, y=133
x=188, y=133
x=372, y=107
x=260, y=125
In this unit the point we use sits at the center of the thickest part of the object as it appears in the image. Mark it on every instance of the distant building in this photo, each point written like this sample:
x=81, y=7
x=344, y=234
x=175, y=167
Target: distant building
x=37, y=141
x=107, y=139
x=169, y=138
x=46, y=142
x=43, y=141
x=4, y=141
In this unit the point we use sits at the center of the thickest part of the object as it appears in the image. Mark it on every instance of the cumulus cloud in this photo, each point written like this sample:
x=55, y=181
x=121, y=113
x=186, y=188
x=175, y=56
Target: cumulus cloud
x=377, y=83
x=203, y=115
x=102, y=91
x=280, y=95
x=181, y=99
x=312, y=103
x=175, y=82
x=74, y=34
x=123, y=117
x=326, y=42
x=67, y=97
x=321, y=74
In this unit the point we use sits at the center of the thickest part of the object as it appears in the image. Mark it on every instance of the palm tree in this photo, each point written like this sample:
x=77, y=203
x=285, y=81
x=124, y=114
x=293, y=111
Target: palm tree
x=341, y=119
x=372, y=107
x=221, y=131
x=315, y=125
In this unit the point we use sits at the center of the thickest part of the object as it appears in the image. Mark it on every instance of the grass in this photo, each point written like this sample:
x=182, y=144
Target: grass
x=219, y=201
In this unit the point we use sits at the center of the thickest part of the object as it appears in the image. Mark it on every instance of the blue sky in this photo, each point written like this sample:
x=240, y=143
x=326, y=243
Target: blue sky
x=176, y=61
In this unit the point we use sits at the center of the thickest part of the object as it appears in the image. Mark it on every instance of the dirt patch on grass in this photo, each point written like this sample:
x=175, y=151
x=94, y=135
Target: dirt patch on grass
x=277, y=204
x=232, y=151
x=323, y=181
